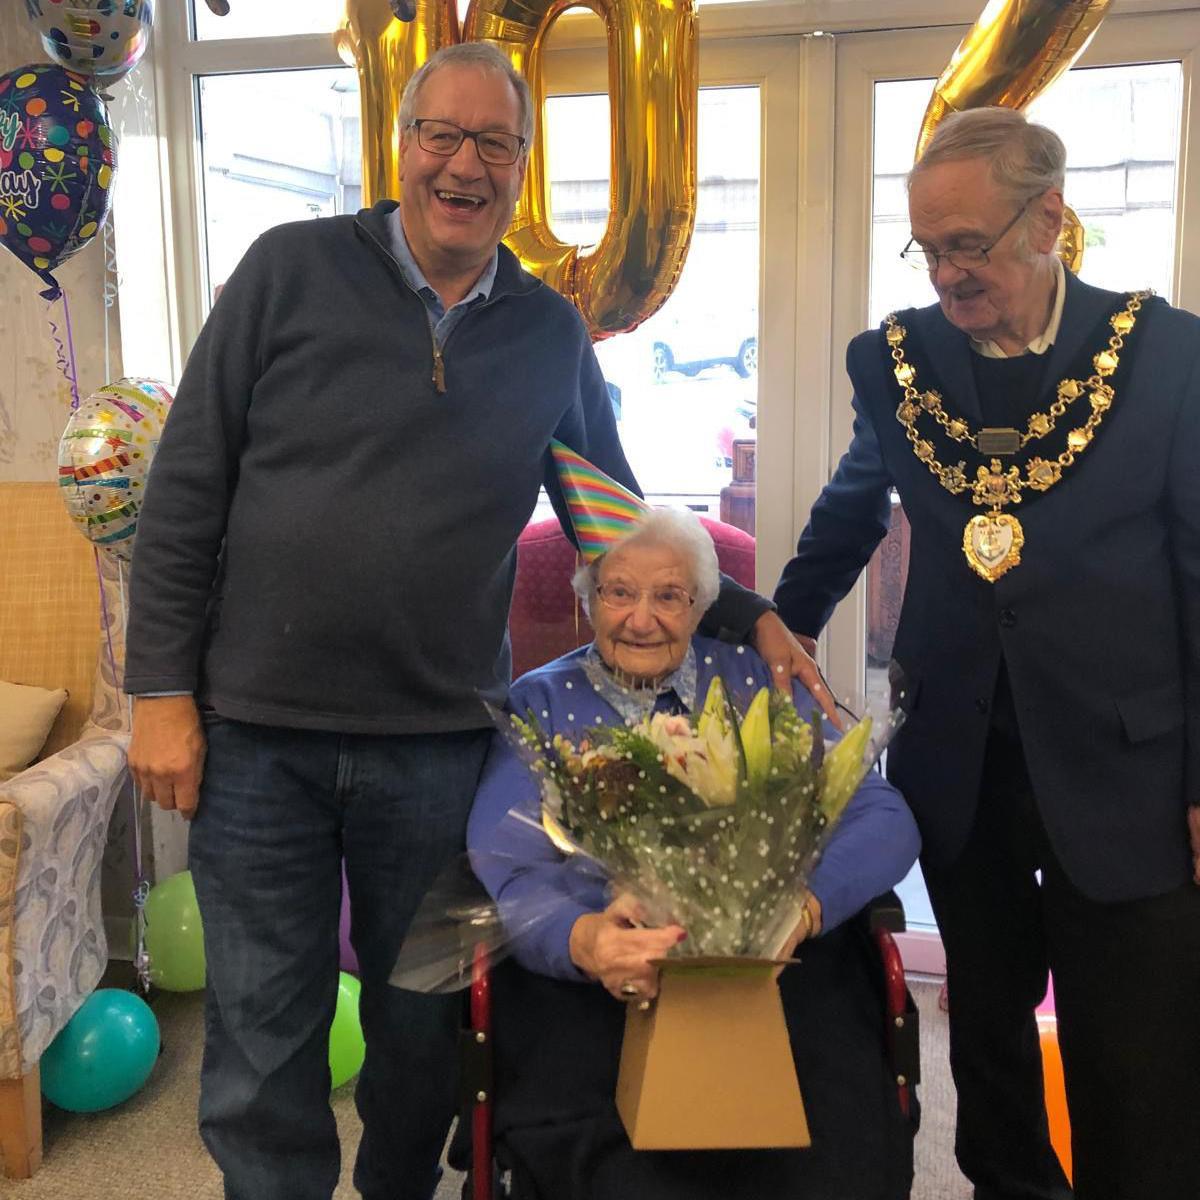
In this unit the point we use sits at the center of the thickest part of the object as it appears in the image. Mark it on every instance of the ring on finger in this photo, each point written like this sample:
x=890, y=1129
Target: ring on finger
x=630, y=989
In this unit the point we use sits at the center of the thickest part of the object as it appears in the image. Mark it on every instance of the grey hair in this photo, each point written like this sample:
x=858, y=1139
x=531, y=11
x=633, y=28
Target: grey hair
x=481, y=55
x=679, y=529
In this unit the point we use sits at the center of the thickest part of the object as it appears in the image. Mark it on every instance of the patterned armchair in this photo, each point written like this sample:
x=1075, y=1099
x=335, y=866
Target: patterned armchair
x=54, y=814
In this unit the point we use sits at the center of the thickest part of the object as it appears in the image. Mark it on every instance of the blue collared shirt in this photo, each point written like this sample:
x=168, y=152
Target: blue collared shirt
x=635, y=703
x=441, y=320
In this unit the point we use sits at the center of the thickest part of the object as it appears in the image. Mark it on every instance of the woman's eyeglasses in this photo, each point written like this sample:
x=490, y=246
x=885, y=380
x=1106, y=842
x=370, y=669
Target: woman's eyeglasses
x=667, y=601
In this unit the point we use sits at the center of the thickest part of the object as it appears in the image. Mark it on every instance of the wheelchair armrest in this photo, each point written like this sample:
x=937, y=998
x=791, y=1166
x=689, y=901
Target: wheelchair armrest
x=886, y=912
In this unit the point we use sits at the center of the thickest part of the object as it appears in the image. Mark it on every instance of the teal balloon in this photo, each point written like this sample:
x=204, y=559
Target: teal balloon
x=347, y=1049
x=103, y=1055
x=174, y=935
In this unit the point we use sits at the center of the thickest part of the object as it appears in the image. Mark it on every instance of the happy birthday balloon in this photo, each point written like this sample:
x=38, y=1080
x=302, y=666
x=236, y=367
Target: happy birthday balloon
x=101, y=38
x=57, y=160
x=104, y=457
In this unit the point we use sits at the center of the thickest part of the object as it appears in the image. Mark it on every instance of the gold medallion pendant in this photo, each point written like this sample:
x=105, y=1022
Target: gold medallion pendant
x=992, y=543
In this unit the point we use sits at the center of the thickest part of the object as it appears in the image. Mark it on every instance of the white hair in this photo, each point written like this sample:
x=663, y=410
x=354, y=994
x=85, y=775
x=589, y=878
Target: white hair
x=481, y=55
x=1025, y=158
x=679, y=529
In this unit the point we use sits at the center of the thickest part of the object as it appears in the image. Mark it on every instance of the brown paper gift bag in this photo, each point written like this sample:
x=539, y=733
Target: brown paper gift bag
x=709, y=1066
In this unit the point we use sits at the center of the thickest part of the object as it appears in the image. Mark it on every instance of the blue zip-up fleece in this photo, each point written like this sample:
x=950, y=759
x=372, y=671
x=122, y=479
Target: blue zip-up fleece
x=328, y=540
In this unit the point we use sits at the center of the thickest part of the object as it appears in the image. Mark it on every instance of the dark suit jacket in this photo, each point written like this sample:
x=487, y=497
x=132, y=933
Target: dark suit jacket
x=1099, y=625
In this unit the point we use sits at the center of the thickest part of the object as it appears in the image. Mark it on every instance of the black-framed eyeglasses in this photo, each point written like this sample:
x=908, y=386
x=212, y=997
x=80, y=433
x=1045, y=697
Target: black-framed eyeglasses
x=444, y=138
x=667, y=601
x=966, y=259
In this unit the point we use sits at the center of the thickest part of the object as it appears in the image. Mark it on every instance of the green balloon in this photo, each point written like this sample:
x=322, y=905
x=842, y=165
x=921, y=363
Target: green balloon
x=174, y=935
x=347, y=1049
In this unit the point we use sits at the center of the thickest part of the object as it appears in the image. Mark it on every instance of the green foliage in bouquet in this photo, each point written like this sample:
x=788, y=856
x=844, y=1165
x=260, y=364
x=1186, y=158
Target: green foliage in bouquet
x=713, y=821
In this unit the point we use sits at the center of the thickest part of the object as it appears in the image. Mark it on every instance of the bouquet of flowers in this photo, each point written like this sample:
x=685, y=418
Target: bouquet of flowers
x=713, y=821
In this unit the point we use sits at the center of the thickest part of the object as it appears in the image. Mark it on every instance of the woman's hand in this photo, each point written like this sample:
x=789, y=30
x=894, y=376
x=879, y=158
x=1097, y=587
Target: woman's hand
x=808, y=926
x=612, y=946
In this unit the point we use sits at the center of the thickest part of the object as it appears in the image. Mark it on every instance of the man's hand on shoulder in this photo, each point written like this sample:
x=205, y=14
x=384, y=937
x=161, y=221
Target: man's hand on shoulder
x=166, y=754
x=788, y=655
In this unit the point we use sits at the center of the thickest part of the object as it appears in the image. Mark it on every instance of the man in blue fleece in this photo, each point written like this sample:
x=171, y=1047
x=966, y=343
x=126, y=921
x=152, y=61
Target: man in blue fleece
x=319, y=600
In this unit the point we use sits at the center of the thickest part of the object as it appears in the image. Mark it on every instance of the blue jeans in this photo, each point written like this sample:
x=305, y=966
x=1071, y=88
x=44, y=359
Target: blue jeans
x=279, y=810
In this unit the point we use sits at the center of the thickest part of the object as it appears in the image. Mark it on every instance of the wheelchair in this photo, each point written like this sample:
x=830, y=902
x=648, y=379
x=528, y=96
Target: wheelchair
x=473, y=1145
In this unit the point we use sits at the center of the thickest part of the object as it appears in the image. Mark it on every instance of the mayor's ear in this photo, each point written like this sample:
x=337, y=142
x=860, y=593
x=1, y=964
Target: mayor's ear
x=1046, y=218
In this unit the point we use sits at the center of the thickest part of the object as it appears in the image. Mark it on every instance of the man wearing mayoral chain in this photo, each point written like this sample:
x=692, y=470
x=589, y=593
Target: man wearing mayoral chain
x=1044, y=437
x=319, y=602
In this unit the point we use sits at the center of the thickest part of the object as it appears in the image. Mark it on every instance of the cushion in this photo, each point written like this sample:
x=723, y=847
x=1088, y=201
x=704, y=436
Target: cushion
x=26, y=715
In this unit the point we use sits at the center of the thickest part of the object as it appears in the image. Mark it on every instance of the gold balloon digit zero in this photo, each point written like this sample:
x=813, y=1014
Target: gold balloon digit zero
x=653, y=71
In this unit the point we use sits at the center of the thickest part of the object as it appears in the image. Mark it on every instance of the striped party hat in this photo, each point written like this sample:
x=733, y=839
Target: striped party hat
x=602, y=511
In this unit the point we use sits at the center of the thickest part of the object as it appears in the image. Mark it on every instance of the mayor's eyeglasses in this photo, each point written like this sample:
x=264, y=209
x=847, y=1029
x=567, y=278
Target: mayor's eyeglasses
x=967, y=258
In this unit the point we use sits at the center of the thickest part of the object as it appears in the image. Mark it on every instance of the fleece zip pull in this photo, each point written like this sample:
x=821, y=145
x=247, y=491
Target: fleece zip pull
x=438, y=372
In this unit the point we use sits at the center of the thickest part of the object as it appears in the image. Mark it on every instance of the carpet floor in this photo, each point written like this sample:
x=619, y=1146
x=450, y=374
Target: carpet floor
x=148, y=1148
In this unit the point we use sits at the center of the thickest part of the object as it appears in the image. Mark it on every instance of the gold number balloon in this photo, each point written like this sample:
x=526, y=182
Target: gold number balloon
x=1012, y=54
x=653, y=95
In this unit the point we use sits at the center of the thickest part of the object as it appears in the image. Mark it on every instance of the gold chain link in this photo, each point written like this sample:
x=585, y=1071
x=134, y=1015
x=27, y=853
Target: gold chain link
x=994, y=487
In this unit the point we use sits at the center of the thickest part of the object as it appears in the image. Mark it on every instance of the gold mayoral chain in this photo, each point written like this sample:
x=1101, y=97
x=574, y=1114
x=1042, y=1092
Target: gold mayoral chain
x=992, y=541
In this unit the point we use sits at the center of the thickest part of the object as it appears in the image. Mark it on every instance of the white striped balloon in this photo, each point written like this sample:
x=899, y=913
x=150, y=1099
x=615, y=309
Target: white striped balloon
x=104, y=456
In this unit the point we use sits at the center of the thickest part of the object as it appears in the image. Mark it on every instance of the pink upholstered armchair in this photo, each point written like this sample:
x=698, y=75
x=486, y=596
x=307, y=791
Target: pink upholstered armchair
x=546, y=620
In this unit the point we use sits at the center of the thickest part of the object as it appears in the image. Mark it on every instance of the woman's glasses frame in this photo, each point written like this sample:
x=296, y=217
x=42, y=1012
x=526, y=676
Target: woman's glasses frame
x=669, y=601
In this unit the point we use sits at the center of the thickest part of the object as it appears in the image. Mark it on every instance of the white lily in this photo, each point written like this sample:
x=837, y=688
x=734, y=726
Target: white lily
x=703, y=759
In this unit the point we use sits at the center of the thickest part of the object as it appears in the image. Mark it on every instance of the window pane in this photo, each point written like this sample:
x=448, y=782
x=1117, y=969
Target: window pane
x=1121, y=128
x=262, y=173
x=684, y=383
x=1122, y=186
x=268, y=18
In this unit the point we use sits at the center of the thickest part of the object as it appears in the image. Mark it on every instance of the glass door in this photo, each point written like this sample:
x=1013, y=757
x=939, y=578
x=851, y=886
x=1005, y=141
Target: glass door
x=684, y=385
x=705, y=391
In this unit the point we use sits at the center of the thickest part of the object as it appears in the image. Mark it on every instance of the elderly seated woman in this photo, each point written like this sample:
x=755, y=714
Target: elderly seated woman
x=559, y=1016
